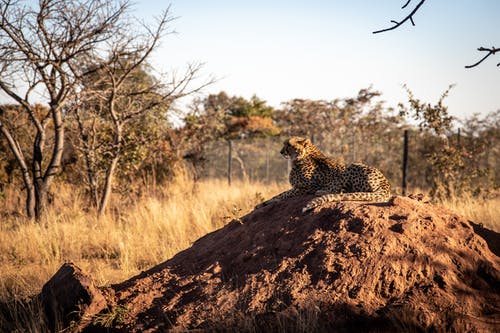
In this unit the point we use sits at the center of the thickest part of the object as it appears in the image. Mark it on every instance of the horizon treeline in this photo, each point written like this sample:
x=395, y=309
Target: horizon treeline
x=224, y=136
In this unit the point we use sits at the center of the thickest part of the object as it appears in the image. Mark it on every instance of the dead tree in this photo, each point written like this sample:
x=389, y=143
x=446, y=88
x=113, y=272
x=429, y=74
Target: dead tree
x=41, y=49
x=120, y=91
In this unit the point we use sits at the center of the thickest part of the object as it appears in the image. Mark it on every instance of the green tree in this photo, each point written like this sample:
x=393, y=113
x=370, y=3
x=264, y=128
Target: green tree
x=450, y=167
x=315, y=118
x=219, y=116
x=359, y=128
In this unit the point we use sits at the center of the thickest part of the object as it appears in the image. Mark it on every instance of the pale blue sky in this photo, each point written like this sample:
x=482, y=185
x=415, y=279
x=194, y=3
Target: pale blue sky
x=325, y=49
x=316, y=49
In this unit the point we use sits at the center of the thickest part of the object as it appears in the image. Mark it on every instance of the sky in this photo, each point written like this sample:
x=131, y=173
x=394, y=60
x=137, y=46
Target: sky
x=325, y=49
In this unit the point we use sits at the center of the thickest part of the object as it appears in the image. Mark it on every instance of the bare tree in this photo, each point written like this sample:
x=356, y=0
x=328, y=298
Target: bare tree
x=490, y=51
x=120, y=91
x=41, y=51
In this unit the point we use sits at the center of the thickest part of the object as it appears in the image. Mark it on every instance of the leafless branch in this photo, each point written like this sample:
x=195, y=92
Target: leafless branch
x=177, y=88
x=43, y=50
x=408, y=17
x=490, y=51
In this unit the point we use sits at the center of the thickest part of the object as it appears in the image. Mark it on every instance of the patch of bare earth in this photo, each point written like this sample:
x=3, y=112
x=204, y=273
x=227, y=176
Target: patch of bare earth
x=401, y=266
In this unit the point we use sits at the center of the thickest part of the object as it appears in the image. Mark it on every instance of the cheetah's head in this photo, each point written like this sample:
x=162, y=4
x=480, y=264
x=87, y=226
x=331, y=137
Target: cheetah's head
x=296, y=148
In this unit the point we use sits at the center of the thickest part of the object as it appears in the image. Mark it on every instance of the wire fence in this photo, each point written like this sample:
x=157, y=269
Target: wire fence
x=259, y=159
x=405, y=164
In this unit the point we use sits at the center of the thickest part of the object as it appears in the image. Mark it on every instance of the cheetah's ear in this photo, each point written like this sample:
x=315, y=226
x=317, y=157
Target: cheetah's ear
x=298, y=141
x=302, y=141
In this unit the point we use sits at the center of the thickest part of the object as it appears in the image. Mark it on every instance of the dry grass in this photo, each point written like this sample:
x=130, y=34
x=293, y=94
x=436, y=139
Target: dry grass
x=134, y=236
x=486, y=212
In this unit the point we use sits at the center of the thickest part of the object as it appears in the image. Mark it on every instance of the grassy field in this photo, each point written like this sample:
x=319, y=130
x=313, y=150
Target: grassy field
x=134, y=236
x=486, y=211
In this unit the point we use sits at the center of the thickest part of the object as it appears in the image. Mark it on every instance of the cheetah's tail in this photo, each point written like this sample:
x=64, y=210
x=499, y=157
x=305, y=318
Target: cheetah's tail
x=378, y=196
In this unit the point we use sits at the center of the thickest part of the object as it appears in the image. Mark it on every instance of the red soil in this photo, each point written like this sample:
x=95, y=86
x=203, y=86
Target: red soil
x=405, y=265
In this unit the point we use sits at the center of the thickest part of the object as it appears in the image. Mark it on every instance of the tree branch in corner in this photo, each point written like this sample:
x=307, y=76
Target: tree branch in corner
x=409, y=17
x=490, y=51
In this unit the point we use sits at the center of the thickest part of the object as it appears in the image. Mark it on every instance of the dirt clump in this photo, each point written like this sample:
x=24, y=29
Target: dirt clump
x=405, y=265
x=70, y=299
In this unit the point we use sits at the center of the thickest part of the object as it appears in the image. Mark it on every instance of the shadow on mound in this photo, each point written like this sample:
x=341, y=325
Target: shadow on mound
x=491, y=237
x=341, y=318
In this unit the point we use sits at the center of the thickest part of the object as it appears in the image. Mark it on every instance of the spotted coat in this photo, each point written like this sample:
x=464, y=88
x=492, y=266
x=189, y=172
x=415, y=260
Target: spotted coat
x=314, y=173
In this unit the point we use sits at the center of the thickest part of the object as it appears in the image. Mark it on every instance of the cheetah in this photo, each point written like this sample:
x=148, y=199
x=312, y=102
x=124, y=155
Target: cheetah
x=314, y=173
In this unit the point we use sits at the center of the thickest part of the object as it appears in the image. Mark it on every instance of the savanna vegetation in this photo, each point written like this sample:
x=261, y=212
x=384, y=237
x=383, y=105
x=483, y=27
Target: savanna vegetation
x=101, y=167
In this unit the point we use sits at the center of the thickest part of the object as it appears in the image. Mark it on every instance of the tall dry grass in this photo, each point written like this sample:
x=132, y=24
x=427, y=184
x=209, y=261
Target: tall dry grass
x=135, y=235
x=484, y=211
x=131, y=237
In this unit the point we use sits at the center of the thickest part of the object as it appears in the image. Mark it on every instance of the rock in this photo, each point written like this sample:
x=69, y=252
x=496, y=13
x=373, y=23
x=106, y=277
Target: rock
x=70, y=299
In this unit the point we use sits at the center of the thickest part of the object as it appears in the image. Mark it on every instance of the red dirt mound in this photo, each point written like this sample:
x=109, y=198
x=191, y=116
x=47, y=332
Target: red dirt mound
x=405, y=265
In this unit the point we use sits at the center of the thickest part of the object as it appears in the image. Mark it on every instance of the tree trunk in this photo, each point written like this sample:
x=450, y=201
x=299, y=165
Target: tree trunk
x=405, y=162
x=36, y=169
x=21, y=161
x=30, y=202
x=108, y=186
x=41, y=199
x=242, y=166
x=38, y=182
x=93, y=188
x=89, y=147
x=118, y=141
x=42, y=180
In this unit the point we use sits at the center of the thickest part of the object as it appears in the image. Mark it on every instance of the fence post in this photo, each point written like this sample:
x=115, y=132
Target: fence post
x=405, y=161
x=229, y=159
x=267, y=162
